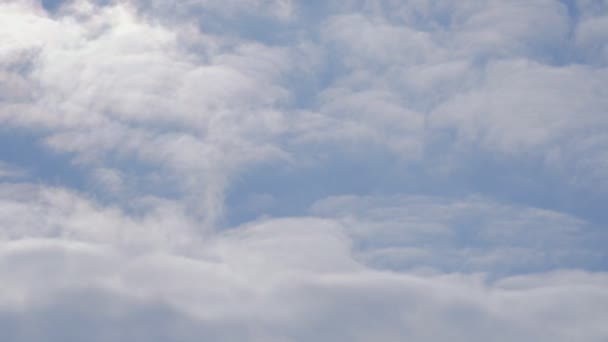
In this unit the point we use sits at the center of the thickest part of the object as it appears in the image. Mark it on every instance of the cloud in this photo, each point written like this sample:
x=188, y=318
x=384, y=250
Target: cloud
x=270, y=296
x=108, y=96
x=471, y=234
x=10, y=171
x=201, y=106
x=292, y=171
x=285, y=279
x=288, y=279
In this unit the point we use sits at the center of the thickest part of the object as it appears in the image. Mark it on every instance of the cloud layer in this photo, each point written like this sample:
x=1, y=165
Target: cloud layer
x=293, y=171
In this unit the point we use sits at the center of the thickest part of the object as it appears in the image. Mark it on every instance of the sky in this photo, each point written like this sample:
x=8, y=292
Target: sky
x=290, y=170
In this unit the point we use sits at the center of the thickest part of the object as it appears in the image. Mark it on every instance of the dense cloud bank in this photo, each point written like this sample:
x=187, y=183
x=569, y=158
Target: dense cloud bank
x=277, y=170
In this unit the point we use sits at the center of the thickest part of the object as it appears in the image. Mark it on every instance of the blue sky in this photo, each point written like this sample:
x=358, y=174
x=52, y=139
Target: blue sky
x=283, y=170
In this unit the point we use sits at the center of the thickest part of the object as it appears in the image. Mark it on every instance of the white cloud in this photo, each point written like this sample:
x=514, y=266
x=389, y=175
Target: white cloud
x=111, y=86
x=503, y=79
x=289, y=279
x=29, y=211
x=167, y=109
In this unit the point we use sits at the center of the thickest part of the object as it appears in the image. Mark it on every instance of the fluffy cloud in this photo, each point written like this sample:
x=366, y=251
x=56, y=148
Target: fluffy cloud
x=503, y=78
x=280, y=279
x=110, y=87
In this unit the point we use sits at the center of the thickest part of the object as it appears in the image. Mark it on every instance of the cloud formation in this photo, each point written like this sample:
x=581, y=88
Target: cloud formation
x=293, y=171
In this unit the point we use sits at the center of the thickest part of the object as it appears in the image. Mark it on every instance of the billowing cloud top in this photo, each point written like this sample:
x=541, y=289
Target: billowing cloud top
x=283, y=170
